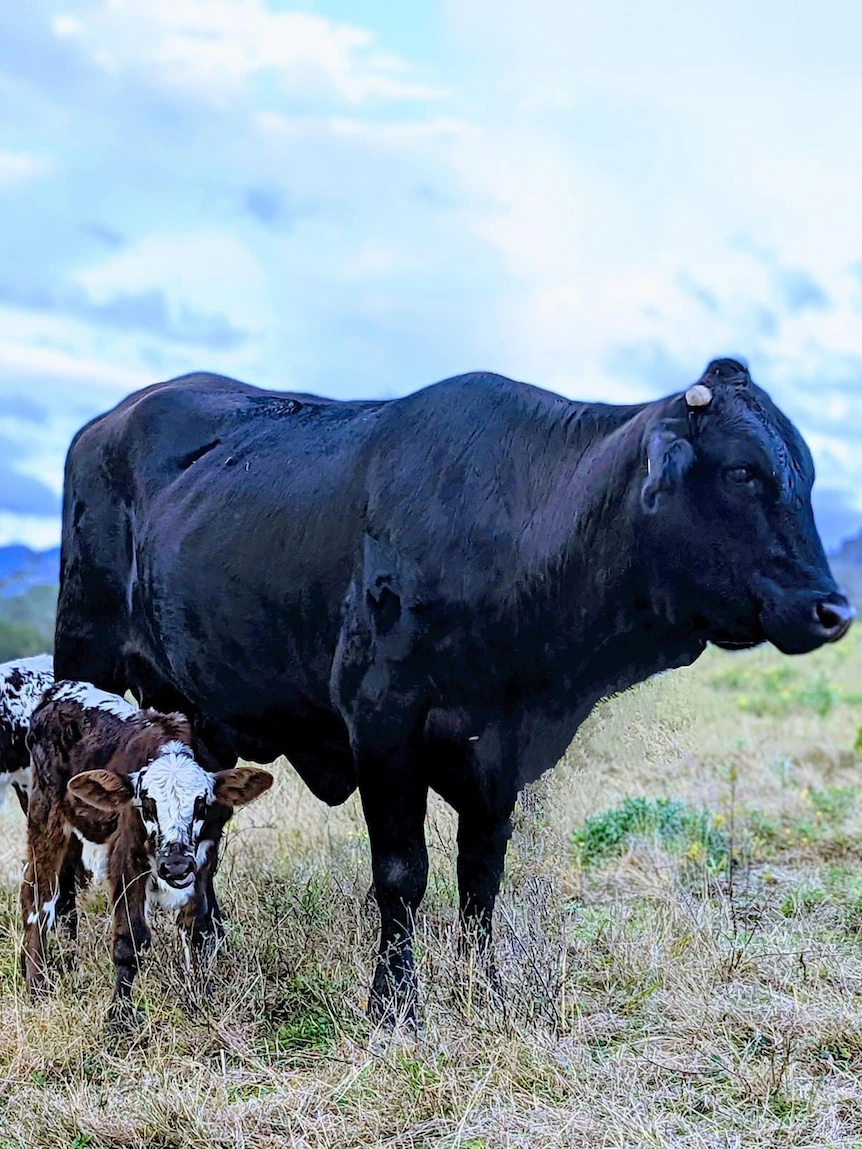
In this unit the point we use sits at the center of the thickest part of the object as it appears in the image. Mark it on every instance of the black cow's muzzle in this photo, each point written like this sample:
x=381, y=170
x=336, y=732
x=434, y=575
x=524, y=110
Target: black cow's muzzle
x=833, y=617
x=802, y=623
x=175, y=864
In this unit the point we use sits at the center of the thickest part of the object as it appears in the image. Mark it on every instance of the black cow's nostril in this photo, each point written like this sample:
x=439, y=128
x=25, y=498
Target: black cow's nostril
x=834, y=616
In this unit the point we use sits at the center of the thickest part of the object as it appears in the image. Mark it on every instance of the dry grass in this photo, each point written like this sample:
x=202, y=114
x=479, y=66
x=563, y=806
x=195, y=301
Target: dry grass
x=653, y=998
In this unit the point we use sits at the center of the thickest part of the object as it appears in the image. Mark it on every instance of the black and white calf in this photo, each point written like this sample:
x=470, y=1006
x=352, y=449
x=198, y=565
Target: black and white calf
x=126, y=792
x=23, y=681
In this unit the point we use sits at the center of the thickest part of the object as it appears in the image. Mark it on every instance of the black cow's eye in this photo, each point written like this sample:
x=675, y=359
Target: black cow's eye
x=148, y=809
x=741, y=476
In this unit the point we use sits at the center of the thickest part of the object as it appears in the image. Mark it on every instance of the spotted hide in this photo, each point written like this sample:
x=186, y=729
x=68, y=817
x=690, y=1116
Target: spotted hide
x=22, y=684
x=128, y=794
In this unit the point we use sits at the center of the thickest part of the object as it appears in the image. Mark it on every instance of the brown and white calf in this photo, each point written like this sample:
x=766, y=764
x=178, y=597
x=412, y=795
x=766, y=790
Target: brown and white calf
x=126, y=792
x=22, y=684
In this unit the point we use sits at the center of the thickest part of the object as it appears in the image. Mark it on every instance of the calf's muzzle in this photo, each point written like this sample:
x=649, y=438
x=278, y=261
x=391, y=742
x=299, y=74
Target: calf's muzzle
x=175, y=864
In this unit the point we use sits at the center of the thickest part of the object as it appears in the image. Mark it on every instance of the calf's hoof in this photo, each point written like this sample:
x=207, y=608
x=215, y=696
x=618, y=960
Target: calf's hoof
x=38, y=987
x=35, y=979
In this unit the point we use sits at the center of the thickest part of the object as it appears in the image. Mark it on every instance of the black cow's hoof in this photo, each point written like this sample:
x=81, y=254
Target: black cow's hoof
x=391, y=1015
x=124, y=1017
x=393, y=1005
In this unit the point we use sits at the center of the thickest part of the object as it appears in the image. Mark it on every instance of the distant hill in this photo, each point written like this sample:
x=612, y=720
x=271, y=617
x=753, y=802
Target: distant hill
x=27, y=622
x=28, y=600
x=22, y=568
x=850, y=550
x=847, y=566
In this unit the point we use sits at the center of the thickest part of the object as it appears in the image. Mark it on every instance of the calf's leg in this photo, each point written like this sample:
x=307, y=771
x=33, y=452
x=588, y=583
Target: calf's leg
x=48, y=886
x=131, y=934
x=67, y=906
x=200, y=920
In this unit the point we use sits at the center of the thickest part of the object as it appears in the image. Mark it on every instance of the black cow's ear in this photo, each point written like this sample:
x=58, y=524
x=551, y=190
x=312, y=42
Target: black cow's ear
x=669, y=456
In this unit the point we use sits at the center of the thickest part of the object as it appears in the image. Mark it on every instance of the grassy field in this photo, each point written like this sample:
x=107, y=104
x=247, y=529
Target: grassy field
x=680, y=934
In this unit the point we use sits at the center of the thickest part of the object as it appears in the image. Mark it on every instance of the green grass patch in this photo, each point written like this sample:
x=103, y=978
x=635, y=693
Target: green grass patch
x=802, y=900
x=299, y=1015
x=674, y=825
x=783, y=689
x=823, y=817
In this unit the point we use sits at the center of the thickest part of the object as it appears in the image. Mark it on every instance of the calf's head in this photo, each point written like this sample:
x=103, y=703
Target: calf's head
x=177, y=800
x=728, y=527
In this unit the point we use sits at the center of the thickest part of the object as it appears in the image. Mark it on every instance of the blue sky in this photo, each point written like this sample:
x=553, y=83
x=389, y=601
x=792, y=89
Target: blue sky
x=358, y=198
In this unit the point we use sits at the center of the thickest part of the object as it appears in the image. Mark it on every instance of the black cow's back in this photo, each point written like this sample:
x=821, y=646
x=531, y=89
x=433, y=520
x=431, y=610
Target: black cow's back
x=211, y=532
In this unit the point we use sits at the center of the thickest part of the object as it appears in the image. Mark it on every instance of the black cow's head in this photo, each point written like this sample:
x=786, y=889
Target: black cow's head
x=728, y=523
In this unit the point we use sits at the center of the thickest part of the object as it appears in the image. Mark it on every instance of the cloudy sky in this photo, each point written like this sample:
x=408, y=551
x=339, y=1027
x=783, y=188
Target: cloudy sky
x=357, y=197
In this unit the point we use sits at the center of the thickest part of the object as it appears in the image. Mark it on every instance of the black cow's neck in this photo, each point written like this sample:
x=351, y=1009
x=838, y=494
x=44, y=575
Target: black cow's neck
x=587, y=610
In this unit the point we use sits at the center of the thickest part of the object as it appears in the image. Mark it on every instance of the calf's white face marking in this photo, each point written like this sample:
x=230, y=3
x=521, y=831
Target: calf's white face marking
x=173, y=792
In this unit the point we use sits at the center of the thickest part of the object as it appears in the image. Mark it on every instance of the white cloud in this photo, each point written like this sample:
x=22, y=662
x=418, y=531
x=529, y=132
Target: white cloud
x=623, y=153
x=213, y=47
x=209, y=270
x=31, y=530
x=33, y=362
x=66, y=27
x=18, y=167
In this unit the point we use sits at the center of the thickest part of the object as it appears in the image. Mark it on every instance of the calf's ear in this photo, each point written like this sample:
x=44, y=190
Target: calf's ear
x=669, y=456
x=240, y=786
x=102, y=789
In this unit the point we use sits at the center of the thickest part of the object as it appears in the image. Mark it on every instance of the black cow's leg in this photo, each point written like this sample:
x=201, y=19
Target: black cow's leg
x=394, y=802
x=482, y=843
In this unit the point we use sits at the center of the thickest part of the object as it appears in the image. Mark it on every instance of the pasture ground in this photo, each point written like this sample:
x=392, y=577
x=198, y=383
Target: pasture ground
x=684, y=970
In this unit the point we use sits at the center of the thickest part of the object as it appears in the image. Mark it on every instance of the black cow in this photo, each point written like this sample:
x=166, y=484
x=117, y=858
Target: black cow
x=431, y=591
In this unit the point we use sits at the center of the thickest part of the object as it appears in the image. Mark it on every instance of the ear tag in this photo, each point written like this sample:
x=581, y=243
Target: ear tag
x=698, y=396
